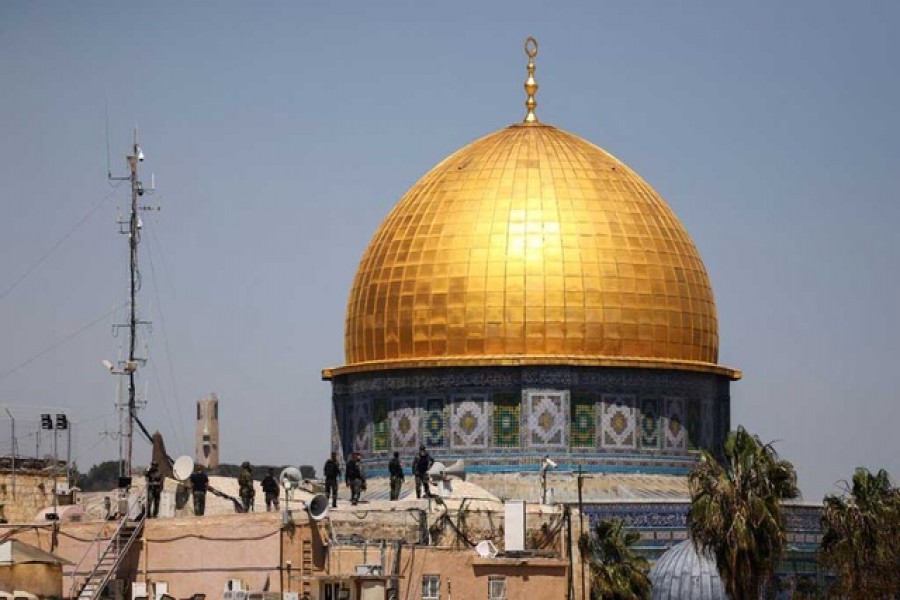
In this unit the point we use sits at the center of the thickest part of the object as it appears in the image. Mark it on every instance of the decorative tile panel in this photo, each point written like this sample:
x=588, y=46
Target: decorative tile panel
x=404, y=425
x=469, y=422
x=617, y=421
x=434, y=423
x=584, y=421
x=648, y=423
x=694, y=434
x=708, y=422
x=507, y=411
x=546, y=417
x=381, y=425
x=674, y=431
x=361, y=425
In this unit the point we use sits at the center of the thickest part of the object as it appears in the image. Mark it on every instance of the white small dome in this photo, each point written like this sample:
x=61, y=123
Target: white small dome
x=683, y=574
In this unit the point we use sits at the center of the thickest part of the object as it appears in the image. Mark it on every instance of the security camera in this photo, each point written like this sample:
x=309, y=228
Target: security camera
x=549, y=463
x=109, y=366
x=140, y=155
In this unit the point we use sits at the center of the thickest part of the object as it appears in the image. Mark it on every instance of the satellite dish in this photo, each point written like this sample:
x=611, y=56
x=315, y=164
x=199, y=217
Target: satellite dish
x=183, y=467
x=486, y=549
x=290, y=478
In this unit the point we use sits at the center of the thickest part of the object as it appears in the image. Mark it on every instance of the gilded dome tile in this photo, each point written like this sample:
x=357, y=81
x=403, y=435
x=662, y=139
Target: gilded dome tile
x=531, y=245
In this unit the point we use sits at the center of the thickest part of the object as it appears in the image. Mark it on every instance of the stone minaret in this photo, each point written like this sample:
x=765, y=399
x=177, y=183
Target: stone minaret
x=207, y=436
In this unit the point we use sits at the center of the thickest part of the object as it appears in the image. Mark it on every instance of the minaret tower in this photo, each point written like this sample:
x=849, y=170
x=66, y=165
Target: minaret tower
x=207, y=435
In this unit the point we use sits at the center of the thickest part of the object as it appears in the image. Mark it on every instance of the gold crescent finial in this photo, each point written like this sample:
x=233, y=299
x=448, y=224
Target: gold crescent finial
x=531, y=85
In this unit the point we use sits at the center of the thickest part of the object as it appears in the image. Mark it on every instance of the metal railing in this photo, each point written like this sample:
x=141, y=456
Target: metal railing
x=116, y=547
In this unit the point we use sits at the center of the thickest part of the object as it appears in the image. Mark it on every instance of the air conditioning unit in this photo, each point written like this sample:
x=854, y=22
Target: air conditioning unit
x=290, y=596
x=139, y=591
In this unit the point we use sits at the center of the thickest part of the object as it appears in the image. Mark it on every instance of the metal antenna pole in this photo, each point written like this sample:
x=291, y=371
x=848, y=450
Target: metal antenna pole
x=134, y=237
x=132, y=321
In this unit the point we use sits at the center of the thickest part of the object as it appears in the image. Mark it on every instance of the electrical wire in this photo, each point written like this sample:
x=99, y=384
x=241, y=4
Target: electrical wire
x=56, y=345
x=58, y=243
x=162, y=322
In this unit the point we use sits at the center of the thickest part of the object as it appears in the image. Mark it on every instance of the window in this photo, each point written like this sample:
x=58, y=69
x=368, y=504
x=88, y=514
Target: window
x=431, y=587
x=496, y=587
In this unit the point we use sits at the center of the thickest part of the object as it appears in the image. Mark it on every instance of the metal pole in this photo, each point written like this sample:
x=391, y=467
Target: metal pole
x=55, y=465
x=581, y=527
x=69, y=484
x=13, y=421
x=132, y=322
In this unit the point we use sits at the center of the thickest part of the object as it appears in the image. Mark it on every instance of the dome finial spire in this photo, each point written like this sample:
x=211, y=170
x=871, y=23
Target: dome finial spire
x=531, y=85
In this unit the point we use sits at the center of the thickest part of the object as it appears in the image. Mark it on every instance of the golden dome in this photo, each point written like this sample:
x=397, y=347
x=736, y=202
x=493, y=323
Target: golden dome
x=531, y=246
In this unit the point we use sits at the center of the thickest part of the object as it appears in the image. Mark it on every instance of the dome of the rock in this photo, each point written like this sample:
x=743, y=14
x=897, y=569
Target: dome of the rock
x=531, y=295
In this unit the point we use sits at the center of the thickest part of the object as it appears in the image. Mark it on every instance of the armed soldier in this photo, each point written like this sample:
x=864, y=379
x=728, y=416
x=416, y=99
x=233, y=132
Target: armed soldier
x=421, y=463
x=245, y=481
x=271, y=490
x=396, y=471
x=154, y=489
x=332, y=472
x=355, y=478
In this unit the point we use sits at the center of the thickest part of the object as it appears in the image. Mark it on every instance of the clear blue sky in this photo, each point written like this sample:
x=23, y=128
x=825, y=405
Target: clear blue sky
x=282, y=133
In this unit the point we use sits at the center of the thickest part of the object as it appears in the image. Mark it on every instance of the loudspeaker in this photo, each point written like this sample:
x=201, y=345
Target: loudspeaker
x=457, y=469
x=318, y=507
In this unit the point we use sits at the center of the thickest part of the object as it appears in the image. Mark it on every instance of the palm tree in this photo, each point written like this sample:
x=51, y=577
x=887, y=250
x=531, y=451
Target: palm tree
x=861, y=537
x=736, y=512
x=616, y=571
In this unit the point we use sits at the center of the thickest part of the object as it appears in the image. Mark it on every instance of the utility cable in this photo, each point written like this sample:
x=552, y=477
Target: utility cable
x=162, y=322
x=56, y=246
x=52, y=347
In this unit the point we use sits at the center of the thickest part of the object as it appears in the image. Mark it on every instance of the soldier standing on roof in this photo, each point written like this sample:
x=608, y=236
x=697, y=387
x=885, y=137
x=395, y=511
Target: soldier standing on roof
x=355, y=478
x=245, y=481
x=421, y=463
x=154, y=490
x=199, y=485
x=332, y=472
x=271, y=490
x=396, y=471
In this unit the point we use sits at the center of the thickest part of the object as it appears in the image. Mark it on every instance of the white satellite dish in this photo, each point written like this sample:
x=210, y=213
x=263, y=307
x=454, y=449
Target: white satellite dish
x=183, y=467
x=486, y=549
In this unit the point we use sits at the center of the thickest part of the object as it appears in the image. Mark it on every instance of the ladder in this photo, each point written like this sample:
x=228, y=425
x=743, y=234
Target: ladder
x=306, y=567
x=108, y=563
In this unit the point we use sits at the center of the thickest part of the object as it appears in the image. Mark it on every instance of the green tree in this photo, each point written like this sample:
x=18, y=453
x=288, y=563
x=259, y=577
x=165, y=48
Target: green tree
x=100, y=477
x=736, y=511
x=616, y=571
x=861, y=537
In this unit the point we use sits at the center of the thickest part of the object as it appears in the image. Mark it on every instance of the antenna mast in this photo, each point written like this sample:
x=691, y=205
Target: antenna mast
x=131, y=226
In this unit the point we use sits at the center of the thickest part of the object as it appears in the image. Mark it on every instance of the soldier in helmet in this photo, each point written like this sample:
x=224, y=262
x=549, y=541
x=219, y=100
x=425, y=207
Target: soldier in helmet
x=245, y=482
x=355, y=477
x=154, y=489
x=396, y=471
x=332, y=472
x=421, y=463
x=271, y=490
x=199, y=485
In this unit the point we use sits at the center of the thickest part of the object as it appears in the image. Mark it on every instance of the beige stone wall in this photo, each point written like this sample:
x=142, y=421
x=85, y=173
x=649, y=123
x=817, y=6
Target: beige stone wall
x=462, y=573
x=32, y=492
x=199, y=554
x=44, y=581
